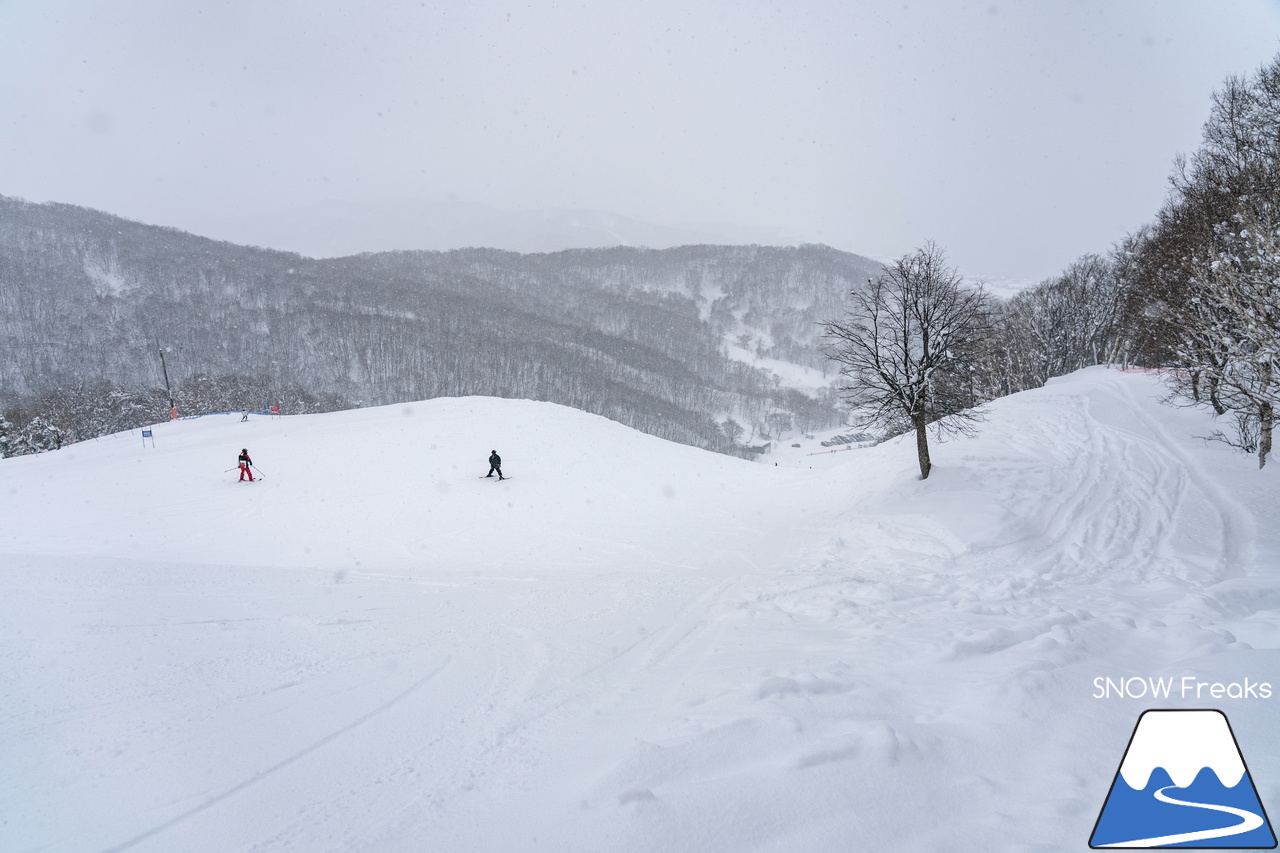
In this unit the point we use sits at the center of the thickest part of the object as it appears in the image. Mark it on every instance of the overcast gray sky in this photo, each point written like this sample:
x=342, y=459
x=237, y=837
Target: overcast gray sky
x=1016, y=135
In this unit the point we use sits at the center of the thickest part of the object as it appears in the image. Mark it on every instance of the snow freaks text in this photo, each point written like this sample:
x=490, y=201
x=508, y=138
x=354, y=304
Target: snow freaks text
x=1186, y=687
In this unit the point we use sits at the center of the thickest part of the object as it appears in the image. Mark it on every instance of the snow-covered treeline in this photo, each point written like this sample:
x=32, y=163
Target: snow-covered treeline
x=84, y=410
x=1196, y=293
x=1061, y=325
x=1198, y=290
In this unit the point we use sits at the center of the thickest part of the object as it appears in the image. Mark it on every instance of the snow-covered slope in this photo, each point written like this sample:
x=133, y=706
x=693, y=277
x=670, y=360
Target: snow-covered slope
x=393, y=487
x=631, y=645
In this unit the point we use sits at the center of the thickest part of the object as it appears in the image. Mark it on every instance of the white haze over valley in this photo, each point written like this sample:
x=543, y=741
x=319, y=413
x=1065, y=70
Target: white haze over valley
x=1018, y=136
x=338, y=228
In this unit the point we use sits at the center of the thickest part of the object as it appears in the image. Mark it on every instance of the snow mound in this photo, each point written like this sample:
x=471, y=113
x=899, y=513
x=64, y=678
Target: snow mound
x=391, y=486
x=630, y=645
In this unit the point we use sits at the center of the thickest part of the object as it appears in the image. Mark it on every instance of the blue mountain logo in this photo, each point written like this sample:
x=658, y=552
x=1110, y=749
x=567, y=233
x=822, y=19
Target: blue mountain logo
x=1183, y=783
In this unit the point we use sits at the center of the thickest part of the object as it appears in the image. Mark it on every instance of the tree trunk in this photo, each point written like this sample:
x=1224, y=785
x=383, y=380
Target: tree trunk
x=1266, y=419
x=922, y=448
x=1214, y=399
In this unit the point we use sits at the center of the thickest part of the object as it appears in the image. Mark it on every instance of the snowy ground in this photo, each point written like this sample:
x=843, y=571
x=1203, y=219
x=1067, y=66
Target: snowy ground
x=630, y=646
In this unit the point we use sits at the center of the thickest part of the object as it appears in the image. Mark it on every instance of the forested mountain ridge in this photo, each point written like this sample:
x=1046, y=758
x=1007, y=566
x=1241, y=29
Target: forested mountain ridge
x=645, y=337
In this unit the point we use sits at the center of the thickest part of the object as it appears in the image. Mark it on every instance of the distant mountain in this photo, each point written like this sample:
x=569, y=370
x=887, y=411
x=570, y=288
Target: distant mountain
x=339, y=228
x=674, y=342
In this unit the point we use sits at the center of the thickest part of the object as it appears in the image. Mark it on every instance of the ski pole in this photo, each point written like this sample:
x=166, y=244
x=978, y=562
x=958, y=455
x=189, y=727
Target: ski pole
x=259, y=470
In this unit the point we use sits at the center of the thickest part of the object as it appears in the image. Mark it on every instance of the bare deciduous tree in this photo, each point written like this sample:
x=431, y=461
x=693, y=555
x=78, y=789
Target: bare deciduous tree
x=1063, y=324
x=908, y=347
x=1207, y=274
x=1235, y=302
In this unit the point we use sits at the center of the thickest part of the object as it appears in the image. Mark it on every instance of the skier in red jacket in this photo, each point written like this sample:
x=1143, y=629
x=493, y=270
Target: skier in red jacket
x=245, y=462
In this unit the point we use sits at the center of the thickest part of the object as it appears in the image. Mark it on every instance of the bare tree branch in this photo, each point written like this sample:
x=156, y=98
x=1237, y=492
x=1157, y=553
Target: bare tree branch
x=908, y=347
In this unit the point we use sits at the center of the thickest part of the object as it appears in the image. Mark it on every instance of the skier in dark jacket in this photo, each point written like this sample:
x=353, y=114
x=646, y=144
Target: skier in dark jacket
x=244, y=461
x=495, y=464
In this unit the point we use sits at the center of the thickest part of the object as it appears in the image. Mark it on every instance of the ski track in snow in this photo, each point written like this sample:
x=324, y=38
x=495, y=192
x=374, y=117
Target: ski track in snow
x=699, y=654
x=242, y=786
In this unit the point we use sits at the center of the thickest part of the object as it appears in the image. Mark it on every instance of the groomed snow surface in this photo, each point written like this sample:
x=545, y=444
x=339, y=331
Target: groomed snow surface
x=631, y=645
